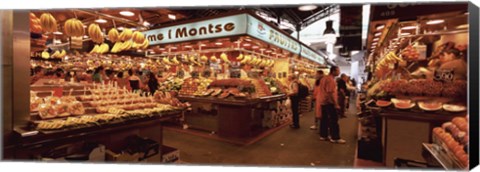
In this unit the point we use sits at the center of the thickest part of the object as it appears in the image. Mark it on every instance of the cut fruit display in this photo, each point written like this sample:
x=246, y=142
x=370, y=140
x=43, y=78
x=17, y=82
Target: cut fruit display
x=430, y=106
x=454, y=108
x=383, y=103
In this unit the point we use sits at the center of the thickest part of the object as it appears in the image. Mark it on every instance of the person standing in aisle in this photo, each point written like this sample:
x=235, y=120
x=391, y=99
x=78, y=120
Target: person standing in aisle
x=342, y=94
x=329, y=101
x=316, y=95
x=293, y=95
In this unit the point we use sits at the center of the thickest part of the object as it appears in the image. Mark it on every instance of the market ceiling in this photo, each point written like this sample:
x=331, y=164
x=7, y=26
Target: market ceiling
x=155, y=17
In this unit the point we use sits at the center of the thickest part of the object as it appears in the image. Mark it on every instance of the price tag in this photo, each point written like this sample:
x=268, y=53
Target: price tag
x=445, y=75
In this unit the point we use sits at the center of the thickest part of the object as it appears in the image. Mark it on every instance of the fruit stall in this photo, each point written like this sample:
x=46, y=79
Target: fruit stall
x=76, y=119
x=233, y=71
x=226, y=75
x=419, y=83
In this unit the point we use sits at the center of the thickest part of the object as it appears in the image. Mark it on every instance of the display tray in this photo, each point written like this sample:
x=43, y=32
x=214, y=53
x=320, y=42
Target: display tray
x=117, y=121
x=226, y=101
x=233, y=101
x=443, y=157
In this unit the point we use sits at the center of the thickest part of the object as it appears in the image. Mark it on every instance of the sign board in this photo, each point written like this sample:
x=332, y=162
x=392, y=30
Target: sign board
x=413, y=10
x=262, y=31
x=311, y=55
x=214, y=28
x=240, y=24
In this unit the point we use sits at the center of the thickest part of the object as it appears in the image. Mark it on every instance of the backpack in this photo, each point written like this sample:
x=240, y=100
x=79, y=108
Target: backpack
x=302, y=91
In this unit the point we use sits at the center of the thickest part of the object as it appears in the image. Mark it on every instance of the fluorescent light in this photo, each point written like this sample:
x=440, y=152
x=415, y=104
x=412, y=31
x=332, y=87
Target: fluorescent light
x=404, y=34
x=246, y=45
x=146, y=23
x=262, y=49
x=432, y=22
x=203, y=45
x=248, y=40
x=374, y=46
x=307, y=7
x=188, y=46
x=101, y=21
x=375, y=39
x=172, y=16
x=375, y=43
x=84, y=26
x=161, y=49
x=85, y=36
x=409, y=27
x=354, y=52
x=378, y=34
x=255, y=47
x=268, y=51
x=133, y=29
x=338, y=46
x=463, y=26
x=127, y=13
x=380, y=27
x=57, y=33
x=120, y=28
x=173, y=48
x=218, y=43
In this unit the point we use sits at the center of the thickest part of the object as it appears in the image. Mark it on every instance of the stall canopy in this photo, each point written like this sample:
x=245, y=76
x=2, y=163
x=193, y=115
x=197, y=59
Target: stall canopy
x=231, y=25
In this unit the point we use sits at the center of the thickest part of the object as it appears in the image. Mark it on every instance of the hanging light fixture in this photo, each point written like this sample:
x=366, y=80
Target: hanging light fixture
x=329, y=33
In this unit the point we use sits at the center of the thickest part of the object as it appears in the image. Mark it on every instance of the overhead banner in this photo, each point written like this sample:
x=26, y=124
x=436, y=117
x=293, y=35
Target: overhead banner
x=312, y=55
x=241, y=24
x=214, y=28
x=262, y=31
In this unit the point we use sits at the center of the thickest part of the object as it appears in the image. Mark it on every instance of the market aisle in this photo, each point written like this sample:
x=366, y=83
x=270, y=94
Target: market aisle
x=300, y=147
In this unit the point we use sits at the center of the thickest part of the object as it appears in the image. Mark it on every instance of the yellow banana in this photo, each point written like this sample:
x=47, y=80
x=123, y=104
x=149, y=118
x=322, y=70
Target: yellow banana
x=126, y=45
x=45, y=55
x=240, y=56
x=175, y=61
x=213, y=58
x=126, y=34
x=55, y=54
x=104, y=48
x=95, y=49
x=63, y=54
x=166, y=61
x=145, y=44
x=113, y=35
x=138, y=37
x=204, y=58
x=224, y=57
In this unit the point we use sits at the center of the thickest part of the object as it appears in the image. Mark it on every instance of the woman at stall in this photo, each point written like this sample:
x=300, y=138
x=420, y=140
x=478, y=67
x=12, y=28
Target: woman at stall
x=121, y=81
x=316, y=97
x=152, y=83
x=134, y=81
x=38, y=73
x=98, y=75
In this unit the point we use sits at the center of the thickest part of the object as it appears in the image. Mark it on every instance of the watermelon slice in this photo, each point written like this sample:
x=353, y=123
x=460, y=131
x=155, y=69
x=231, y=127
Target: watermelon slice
x=430, y=106
x=383, y=103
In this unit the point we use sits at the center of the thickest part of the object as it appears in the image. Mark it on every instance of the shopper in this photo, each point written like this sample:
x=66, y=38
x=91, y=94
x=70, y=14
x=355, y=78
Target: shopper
x=294, y=99
x=329, y=101
x=316, y=95
x=134, y=81
x=38, y=73
x=152, y=83
x=342, y=94
x=121, y=81
x=98, y=75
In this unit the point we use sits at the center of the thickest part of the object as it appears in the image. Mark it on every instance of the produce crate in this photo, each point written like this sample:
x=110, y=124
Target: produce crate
x=170, y=154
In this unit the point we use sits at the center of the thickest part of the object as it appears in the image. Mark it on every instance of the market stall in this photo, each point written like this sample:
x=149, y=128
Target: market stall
x=77, y=119
x=233, y=70
x=419, y=80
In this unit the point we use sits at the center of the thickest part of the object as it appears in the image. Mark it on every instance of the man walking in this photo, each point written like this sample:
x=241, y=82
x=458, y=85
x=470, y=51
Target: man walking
x=295, y=100
x=329, y=102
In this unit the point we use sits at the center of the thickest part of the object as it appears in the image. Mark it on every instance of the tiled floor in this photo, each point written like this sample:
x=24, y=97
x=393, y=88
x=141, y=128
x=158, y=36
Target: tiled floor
x=286, y=147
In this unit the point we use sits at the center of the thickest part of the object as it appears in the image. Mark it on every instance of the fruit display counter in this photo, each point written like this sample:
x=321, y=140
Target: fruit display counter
x=236, y=108
x=413, y=90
